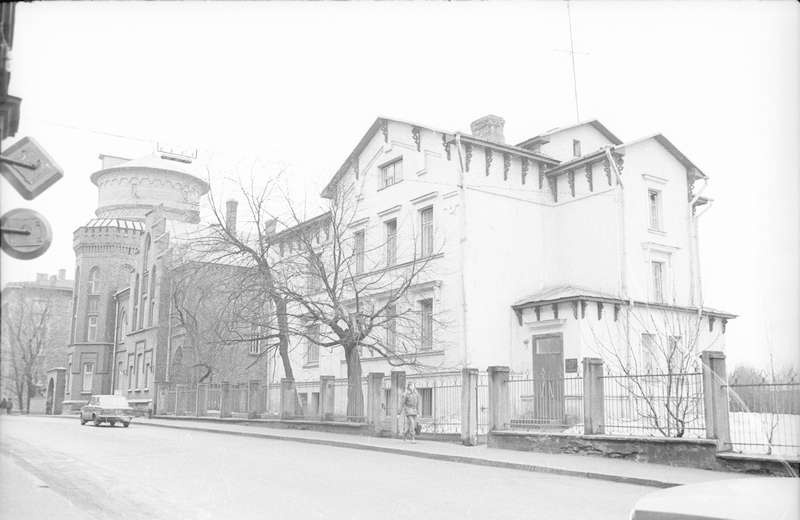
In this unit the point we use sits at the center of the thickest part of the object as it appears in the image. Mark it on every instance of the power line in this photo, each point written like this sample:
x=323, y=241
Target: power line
x=572, y=55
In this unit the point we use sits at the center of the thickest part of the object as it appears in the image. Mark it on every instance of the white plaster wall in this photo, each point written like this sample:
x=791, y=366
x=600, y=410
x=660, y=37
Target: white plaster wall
x=560, y=145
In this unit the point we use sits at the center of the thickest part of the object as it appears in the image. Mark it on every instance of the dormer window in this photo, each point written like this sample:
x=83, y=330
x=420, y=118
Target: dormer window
x=391, y=173
x=576, y=148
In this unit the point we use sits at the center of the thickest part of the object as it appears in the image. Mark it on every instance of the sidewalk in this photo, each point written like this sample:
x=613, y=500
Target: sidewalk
x=629, y=472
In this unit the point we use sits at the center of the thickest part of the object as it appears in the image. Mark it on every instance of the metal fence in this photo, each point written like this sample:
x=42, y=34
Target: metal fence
x=546, y=404
x=440, y=401
x=666, y=405
x=765, y=418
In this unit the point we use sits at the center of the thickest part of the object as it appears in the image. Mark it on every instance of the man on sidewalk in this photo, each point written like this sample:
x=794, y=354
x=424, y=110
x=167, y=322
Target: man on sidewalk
x=409, y=406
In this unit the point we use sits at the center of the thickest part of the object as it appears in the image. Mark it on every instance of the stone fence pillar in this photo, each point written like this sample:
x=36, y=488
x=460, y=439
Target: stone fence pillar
x=374, y=400
x=225, y=400
x=715, y=398
x=593, y=397
x=469, y=406
x=56, y=384
x=327, y=397
x=202, y=399
x=288, y=399
x=393, y=406
x=255, y=405
x=499, y=413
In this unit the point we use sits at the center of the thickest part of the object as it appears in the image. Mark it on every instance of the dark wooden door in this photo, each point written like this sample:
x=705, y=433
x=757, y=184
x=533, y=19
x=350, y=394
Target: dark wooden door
x=548, y=377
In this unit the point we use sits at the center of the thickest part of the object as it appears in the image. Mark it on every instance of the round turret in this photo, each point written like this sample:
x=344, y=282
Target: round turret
x=129, y=190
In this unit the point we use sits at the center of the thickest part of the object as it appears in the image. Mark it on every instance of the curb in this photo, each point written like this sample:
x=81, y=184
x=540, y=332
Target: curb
x=434, y=456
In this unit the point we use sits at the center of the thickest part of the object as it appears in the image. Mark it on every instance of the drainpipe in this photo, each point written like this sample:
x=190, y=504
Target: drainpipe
x=462, y=239
x=697, y=253
x=694, y=262
x=623, y=250
x=114, y=346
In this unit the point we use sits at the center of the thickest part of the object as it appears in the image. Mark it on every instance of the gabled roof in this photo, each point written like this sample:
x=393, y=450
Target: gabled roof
x=594, y=123
x=672, y=149
x=379, y=121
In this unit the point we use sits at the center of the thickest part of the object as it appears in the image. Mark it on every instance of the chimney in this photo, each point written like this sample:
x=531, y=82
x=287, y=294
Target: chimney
x=489, y=128
x=62, y=274
x=230, y=216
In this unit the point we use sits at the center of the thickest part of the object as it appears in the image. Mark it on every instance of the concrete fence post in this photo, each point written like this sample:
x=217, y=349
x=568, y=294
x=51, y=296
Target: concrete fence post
x=715, y=398
x=327, y=397
x=288, y=399
x=398, y=386
x=254, y=406
x=225, y=400
x=499, y=413
x=202, y=399
x=469, y=406
x=374, y=400
x=593, y=397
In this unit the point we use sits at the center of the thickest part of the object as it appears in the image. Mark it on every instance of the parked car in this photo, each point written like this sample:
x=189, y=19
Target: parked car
x=107, y=408
x=772, y=498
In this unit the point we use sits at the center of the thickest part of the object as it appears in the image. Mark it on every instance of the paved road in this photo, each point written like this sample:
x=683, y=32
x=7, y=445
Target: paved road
x=148, y=472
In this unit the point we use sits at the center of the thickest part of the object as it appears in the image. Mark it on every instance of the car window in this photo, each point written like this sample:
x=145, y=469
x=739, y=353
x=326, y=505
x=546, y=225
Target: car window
x=114, y=401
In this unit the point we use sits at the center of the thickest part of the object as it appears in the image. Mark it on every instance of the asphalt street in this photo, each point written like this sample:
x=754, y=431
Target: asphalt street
x=52, y=467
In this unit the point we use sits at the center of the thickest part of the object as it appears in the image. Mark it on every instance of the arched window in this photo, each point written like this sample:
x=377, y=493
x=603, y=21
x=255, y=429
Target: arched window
x=145, y=279
x=74, y=331
x=122, y=322
x=94, y=281
x=151, y=312
x=135, y=303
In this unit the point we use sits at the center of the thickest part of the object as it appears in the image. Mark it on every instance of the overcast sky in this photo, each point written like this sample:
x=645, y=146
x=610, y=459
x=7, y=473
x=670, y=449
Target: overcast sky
x=295, y=86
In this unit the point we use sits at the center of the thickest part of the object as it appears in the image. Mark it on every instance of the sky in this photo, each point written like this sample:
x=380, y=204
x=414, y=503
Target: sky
x=293, y=86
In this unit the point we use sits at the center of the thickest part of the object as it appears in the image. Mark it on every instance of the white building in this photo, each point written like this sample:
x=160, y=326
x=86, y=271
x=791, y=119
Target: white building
x=565, y=246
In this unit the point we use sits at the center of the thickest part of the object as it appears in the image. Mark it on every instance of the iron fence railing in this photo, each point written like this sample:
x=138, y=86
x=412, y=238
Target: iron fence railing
x=765, y=418
x=666, y=405
x=551, y=404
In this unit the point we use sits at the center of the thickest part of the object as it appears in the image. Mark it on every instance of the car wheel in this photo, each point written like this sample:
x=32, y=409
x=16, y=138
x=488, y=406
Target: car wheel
x=126, y=424
x=112, y=423
x=97, y=422
x=83, y=421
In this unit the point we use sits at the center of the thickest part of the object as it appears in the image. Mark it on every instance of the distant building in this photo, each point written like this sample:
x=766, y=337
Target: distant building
x=121, y=338
x=35, y=318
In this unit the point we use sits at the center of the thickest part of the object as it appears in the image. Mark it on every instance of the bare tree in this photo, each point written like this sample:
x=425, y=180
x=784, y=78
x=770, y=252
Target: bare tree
x=27, y=327
x=656, y=353
x=343, y=295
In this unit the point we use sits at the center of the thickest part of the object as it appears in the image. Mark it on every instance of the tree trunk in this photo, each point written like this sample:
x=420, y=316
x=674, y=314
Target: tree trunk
x=283, y=340
x=355, y=395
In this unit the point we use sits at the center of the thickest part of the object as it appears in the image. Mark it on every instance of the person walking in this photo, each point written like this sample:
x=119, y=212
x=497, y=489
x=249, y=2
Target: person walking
x=409, y=406
x=3, y=404
x=9, y=406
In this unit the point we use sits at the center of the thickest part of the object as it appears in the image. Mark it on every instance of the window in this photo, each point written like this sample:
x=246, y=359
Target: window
x=426, y=228
x=576, y=148
x=131, y=373
x=143, y=308
x=391, y=242
x=426, y=401
x=139, y=370
x=91, y=334
x=649, y=359
x=654, y=197
x=94, y=281
x=426, y=323
x=391, y=173
x=314, y=275
x=120, y=373
x=658, y=281
x=359, y=251
x=88, y=376
x=73, y=329
x=135, y=303
x=391, y=327
x=92, y=305
x=254, y=347
x=69, y=375
x=151, y=311
x=312, y=349
x=148, y=361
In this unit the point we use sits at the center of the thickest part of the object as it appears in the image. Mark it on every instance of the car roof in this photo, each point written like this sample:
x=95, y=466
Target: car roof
x=729, y=499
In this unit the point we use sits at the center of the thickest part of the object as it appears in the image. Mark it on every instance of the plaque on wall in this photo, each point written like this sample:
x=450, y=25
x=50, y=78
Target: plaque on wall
x=571, y=365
